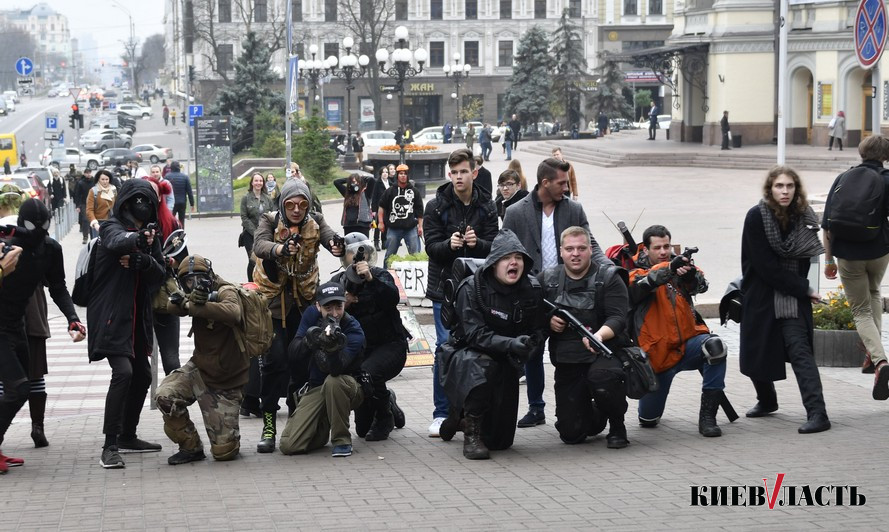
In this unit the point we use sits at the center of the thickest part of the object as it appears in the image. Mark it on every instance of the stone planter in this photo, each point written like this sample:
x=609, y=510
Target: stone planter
x=841, y=349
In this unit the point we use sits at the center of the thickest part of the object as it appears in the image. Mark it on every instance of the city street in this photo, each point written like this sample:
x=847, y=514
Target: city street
x=414, y=482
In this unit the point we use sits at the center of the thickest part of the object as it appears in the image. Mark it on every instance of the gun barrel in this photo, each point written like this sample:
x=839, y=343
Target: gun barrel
x=578, y=327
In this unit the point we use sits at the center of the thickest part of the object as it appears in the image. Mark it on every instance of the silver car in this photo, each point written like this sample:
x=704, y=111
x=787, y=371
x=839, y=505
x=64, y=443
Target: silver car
x=105, y=140
x=153, y=152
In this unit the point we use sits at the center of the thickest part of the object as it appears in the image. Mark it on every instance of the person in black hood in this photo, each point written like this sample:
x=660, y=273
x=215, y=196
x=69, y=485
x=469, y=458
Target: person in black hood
x=501, y=322
x=40, y=261
x=127, y=272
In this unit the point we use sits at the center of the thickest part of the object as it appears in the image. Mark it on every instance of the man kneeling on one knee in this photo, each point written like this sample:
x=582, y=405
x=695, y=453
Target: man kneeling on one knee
x=668, y=328
x=328, y=345
x=217, y=371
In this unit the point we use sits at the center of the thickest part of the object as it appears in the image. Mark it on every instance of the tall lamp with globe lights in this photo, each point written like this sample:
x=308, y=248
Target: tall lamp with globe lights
x=397, y=65
x=458, y=73
x=350, y=69
x=314, y=69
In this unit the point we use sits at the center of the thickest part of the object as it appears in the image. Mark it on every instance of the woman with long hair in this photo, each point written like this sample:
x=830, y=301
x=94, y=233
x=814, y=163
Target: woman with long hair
x=99, y=201
x=254, y=203
x=517, y=166
x=357, y=195
x=779, y=239
x=381, y=183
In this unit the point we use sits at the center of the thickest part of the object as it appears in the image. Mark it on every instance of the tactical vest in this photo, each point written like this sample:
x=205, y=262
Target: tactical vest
x=511, y=314
x=300, y=271
x=567, y=347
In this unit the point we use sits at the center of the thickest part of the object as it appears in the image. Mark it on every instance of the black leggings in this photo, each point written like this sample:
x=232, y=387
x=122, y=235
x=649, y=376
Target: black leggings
x=130, y=379
x=179, y=211
x=166, y=329
x=274, y=366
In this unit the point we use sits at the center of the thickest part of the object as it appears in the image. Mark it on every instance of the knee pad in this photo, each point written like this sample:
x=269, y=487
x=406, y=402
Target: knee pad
x=226, y=451
x=714, y=350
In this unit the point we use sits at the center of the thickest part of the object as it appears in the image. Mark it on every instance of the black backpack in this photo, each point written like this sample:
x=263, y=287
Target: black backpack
x=463, y=269
x=857, y=205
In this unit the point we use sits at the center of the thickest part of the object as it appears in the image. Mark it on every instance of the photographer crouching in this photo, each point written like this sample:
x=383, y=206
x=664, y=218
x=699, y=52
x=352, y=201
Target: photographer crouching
x=328, y=343
x=372, y=299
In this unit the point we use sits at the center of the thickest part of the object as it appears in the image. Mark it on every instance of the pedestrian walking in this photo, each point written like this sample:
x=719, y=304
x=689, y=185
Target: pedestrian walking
x=652, y=121
x=173, y=116
x=100, y=201
x=726, y=130
x=358, y=147
x=836, y=129
x=166, y=115
x=470, y=137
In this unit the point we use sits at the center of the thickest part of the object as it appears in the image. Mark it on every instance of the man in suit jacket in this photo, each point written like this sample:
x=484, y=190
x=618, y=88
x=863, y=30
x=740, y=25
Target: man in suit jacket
x=538, y=221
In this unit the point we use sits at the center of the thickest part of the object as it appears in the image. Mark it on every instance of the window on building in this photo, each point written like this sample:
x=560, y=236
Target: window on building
x=505, y=9
x=435, y=9
x=504, y=53
x=330, y=10
x=470, y=53
x=331, y=49
x=225, y=10
x=436, y=54
x=260, y=10
x=539, y=8
x=225, y=57
x=471, y=9
x=574, y=8
x=655, y=7
x=296, y=10
x=299, y=50
x=631, y=7
x=365, y=10
x=400, y=9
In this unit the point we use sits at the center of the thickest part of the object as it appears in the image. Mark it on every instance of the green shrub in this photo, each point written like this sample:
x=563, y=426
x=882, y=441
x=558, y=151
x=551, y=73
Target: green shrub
x=311, y=150
x=273, y=146
x=417, y=257
x=834, y=314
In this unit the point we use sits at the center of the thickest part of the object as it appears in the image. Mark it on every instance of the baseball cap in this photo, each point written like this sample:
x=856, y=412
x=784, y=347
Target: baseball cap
x=329, y=292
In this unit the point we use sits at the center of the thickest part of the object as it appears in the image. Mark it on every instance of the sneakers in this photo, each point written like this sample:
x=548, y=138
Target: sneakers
x=135, y=445
x=8, y=461
x=341, y=450
x=881, y=381
x=649, y=423
x=435, y=427
x=111, y=458
x=184, y=457
x=532, y=419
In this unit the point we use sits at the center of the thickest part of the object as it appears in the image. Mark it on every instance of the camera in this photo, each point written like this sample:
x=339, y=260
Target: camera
x=462, y=228
x=689, y=251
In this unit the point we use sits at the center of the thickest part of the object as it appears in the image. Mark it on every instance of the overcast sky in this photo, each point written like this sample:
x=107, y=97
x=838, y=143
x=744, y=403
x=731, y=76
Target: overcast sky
x=108, y=25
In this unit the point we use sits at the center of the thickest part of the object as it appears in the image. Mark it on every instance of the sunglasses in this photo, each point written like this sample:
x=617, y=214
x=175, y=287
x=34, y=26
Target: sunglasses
x=292, y=205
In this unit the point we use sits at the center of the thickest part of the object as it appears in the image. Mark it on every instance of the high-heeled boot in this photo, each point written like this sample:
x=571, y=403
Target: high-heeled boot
x=37, y=405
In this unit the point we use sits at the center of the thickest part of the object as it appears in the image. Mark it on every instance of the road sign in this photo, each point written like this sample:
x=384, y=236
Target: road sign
x=26, y=81
x=112, y=105
x=195, y=110
x=24, y=66
x=74, y=92
x=870, y=32
x=50, y=136
x=52, y=121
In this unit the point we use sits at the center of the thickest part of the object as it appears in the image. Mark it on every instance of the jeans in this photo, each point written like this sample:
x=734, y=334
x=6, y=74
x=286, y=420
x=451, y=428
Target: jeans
x=862, y=280
x=508, y=151
x=394, y=238
x=651, y=406
x=535, y=380
x=439, y=398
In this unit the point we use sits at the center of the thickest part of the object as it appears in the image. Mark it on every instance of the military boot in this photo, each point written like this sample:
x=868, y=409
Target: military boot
x=383, y=422
x=473, y=446
x=707, y=416
x=267, y=443
x=617, y=434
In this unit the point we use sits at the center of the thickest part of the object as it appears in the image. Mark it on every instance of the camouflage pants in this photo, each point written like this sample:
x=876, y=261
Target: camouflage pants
x=220, y=409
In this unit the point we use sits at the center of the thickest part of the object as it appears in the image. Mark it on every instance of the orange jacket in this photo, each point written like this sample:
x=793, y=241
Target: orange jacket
x=663, y=316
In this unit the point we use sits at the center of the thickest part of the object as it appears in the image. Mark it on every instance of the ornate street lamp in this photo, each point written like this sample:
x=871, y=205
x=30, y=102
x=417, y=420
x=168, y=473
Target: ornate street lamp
x=351, y=68
x=458, y=73
x=314, y=70
x=400, y=67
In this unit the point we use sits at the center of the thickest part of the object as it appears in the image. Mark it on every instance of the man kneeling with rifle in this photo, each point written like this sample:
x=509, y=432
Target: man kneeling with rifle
x=589, y=380
x=669, y=329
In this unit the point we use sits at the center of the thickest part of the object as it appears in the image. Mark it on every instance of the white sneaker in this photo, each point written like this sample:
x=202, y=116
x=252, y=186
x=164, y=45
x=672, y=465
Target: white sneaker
x=435, y=427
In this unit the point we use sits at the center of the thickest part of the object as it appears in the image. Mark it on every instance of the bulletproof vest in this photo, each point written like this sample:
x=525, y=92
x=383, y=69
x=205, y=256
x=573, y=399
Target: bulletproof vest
x=512, y=312
x=567, y=345
x=300, y=271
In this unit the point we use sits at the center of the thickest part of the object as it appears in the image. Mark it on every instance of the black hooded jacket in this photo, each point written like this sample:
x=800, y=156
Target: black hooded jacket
x=119, y=313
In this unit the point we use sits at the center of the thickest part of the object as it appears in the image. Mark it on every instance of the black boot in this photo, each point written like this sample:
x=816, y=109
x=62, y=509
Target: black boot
x=450, y=426
x=707, y=415
x=383, y=421
x=817, y=422
x=397, y=412
x=364, y=417
x=617, y=434
x=766, y=399
x=267, y=443
x=37, y=405
x=473, y=446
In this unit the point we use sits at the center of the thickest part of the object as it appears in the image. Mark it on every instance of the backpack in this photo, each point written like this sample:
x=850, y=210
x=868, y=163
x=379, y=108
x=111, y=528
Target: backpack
x=83, y=273
x=463, y=269
x=857, y=205
x=255, y=332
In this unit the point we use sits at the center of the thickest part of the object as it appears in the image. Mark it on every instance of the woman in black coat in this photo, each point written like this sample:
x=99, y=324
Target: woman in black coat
x=780, y=237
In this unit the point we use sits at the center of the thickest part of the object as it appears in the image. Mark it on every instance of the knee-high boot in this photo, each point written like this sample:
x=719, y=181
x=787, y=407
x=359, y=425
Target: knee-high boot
x=37, y=405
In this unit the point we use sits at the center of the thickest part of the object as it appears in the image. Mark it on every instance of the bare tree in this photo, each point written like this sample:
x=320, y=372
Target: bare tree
x=14, y=43
x=370, y=21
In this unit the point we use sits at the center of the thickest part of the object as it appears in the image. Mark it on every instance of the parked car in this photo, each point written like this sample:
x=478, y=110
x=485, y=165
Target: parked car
x=3, y=110
x=41, y=172
x=134, y=109
x=62, y=157
x=430, y=137
x=153, y=152
x=379, y=137
x=30, y=183
x=105, y=140
x=431, y=129
x=113, y=124
x=11, y=95
x=465, y=127
x=617, y=124
x=113, y=156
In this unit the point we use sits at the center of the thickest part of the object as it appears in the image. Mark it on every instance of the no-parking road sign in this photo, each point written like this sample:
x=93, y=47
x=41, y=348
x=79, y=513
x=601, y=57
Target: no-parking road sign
x=870, y=32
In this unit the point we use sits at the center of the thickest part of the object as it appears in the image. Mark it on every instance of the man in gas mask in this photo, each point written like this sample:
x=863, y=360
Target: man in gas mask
x=329, y=343
x=127, y=272
x=217, y=372
x=372, y=298
x=40, y=261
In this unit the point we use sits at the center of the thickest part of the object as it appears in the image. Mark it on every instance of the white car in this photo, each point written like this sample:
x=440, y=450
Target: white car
x=429, y=137
x=134, y=109
x=379, y=138
x=432, y=129
x=11, y=95
x=10, y=104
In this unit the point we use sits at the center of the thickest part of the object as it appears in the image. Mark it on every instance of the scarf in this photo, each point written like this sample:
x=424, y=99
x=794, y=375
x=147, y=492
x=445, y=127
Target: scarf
x=107, y=193
x=801, y=243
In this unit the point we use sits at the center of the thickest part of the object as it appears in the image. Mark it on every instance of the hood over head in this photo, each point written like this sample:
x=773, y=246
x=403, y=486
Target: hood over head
x=504, y=243
x=131, y=189
x=292, y=188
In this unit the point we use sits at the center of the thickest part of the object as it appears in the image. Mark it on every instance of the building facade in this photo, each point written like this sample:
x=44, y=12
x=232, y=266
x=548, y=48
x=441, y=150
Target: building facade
x=486, y=34
x=50, y=31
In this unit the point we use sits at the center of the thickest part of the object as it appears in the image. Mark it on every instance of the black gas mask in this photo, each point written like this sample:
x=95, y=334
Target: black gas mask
x=141, y=208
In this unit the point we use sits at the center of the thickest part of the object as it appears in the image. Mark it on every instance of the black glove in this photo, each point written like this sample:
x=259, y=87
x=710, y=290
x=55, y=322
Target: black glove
x=678, y=262
x=313, y=338
x=521, y=347
x=366, y=383
x=177, y=298
x=329, y=362
x=142, y=240
x=140, y=261
x=333, y=342
x=199, y=297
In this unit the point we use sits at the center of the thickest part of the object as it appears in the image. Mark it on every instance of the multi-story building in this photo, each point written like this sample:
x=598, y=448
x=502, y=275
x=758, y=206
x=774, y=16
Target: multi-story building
x=485, y=33
x=50, y=31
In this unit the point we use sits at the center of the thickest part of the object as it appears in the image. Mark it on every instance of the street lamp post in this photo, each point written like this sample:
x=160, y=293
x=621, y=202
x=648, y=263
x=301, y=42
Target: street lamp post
x=351, y=68
x=131, y=47
x=400, y=67
x=314, y=69
x=458, y=73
